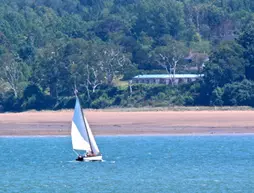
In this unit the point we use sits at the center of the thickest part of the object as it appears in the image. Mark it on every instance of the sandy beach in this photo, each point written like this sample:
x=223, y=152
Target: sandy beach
x=130, y=123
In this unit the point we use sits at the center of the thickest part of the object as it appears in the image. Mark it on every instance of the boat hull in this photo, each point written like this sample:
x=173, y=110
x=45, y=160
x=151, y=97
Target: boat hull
x=92, y=158
x=95, y=158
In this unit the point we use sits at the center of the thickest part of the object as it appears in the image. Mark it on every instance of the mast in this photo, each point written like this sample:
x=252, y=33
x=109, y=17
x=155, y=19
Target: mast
x=76, y=94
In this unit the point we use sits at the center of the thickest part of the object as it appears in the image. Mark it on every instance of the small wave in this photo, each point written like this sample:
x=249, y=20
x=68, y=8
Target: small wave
x=72, y=161
x=112, y=162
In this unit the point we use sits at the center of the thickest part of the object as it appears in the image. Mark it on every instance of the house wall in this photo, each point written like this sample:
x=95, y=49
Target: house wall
x=166, y=81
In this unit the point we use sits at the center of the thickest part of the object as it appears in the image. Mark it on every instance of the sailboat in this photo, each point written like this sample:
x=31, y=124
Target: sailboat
x=82, y=136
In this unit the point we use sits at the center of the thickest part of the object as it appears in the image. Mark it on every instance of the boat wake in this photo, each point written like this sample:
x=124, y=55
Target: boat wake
x=74, y=161
x=112, y=162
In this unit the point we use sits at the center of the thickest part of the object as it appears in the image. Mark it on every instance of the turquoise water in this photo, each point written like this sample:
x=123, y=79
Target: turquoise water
x=142, y=164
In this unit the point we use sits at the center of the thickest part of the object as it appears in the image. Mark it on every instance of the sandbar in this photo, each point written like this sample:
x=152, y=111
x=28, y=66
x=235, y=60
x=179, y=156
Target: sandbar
x=58, y=123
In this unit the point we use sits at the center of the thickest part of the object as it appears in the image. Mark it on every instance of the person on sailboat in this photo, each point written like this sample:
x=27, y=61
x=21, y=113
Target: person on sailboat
x=90, y=154
x=80, y=158
x=81, y=135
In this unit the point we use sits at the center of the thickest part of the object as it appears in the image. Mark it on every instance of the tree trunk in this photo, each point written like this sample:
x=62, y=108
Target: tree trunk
x=94, y=87
x=110, y=78
x=130, y=86
x=15, y=92
x=88, y=93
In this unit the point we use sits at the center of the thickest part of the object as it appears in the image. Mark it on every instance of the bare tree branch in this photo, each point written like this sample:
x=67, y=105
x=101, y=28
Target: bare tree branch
x=11, y=72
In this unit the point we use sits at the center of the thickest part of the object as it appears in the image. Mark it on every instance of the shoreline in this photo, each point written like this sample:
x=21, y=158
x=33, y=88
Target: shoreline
x=136, y=135
x=138, y=123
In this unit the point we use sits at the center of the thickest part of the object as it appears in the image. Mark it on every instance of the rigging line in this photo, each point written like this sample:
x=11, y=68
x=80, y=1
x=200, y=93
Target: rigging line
x=75, y=86
x=75, y=152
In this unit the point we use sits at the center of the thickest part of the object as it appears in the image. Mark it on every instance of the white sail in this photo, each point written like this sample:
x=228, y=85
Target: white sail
x=94, y=146
x=78, y=141
x=81, y=134
x=78, y=130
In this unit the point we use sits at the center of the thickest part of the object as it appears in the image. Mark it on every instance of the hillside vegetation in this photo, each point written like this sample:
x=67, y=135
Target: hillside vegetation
x=50, y=47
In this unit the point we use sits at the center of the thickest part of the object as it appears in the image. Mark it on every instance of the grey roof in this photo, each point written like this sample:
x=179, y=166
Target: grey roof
x=168, y=76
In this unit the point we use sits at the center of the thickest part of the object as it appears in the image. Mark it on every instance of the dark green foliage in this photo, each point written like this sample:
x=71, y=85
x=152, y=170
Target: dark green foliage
x=34, y=98
x=66, y=103
x=50, y=47
x=239, y=93
x=26, y=53
x=11, y=103
x=216, y=98
x=101, y=102
x=226, y=66
x=117, y=101
x=246, y=39
x=155, y=91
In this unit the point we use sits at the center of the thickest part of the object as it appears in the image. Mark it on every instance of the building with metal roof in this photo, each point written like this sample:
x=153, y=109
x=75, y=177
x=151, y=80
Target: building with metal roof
x=166, y=78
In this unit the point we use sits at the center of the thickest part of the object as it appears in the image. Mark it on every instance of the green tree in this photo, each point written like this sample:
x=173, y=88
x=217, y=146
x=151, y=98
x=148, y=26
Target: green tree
x=246, y=39
x=226, y=65
x=239, y=93
x=216, y=98
x=169, y=56
x=50, y=68
x=13, y=72
x=164, y=18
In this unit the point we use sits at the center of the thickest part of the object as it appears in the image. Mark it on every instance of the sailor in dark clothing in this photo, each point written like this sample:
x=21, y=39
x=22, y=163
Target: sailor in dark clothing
x=80, y=158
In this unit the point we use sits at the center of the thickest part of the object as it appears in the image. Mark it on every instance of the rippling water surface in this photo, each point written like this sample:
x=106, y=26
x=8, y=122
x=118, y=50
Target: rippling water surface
x=142, y=164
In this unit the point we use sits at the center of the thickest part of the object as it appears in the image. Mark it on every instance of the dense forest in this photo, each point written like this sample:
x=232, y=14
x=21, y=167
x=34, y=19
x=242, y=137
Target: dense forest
x=49, y=48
